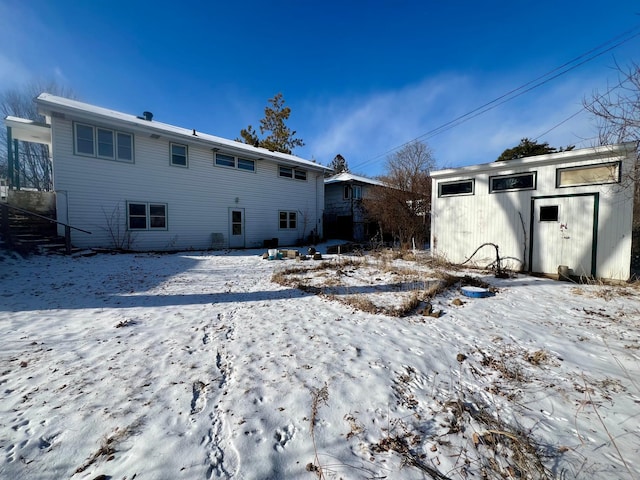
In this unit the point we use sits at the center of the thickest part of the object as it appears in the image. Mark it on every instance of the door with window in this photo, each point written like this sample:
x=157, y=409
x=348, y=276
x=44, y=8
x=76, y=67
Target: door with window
x=564, y=233
x=236, y=228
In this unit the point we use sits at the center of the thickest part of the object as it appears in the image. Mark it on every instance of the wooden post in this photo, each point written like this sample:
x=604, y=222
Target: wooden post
x=67, y=239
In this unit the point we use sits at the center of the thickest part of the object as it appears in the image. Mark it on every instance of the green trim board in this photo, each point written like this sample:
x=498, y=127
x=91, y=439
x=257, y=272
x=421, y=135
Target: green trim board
x=594, y=233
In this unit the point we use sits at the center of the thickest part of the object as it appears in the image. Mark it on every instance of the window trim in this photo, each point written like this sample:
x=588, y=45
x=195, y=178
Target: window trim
x=616, y=164
x=455, y=182
x=236, y=162
x=186, y=155
x=534, y=176
x=296, y=173
x=291, y=217
x=95, y=153
x=148, y=216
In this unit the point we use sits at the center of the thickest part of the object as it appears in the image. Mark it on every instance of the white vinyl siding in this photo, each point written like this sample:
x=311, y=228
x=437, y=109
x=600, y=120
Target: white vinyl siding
x=198, y=197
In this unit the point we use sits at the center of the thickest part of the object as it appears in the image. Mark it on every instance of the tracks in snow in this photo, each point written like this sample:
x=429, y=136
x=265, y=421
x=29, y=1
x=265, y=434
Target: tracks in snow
x=222, y=460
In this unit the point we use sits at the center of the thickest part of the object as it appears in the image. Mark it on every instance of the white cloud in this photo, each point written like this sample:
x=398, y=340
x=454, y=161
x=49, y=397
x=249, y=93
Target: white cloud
x=364, y=130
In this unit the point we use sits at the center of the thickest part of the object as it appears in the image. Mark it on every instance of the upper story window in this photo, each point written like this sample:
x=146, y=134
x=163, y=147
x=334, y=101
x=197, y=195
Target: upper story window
x=224, y=160
x=521, y=181
x=588, y=175
x=179, y=154
x=103, y=143
x=290, y=172
x=352, y=191
x=461, y=187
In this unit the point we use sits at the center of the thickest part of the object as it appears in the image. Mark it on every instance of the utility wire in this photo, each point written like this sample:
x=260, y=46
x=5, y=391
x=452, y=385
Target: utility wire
x=516, y=92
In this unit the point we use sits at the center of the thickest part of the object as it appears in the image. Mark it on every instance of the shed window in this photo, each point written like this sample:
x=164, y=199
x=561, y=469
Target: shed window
x=522, y=181
x=464, y=187
x=549, y=213
x=589, y=175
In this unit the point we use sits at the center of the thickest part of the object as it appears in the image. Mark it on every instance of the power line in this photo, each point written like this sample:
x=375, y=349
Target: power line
x=516, y=92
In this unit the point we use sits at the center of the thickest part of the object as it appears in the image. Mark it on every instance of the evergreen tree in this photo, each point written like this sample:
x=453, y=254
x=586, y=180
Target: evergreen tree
x=280, y=138
x=338, y=165
x=530, y=148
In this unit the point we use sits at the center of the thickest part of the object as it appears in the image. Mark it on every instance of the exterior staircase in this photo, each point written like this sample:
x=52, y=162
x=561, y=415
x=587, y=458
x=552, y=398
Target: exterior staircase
x=29, y=234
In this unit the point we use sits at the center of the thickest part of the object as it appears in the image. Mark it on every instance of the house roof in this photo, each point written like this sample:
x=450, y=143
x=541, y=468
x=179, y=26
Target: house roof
x=595, y=153
x=53, y=105
x=350, y=177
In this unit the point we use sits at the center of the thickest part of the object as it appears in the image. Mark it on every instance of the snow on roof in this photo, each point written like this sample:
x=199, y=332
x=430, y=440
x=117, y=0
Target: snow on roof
x=48, y=103
x=601, y=152
x=350, y=177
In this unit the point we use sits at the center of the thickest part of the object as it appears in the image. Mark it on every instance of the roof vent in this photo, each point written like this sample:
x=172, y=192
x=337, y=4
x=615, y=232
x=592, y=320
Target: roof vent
x=147, y=116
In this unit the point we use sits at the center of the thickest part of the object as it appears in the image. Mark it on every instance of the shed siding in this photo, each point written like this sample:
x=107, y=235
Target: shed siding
x=198, y=198
x=460, y=224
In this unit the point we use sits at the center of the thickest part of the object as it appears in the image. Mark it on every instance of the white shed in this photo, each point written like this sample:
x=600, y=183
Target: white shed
x=570, y=209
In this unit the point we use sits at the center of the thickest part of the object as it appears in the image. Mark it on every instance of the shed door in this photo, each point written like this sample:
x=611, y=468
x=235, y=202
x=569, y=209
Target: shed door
x=564, y=234
x=236, y=227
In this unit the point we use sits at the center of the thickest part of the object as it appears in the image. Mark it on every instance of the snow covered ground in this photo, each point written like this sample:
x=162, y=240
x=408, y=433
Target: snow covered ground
x=196, y=366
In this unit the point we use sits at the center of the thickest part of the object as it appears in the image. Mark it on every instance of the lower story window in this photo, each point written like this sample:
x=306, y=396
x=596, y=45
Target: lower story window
x=146, y=216
x=288, y=220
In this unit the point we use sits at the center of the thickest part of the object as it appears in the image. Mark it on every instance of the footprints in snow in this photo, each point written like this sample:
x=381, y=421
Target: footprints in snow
x=283, y=436
x=198, y=399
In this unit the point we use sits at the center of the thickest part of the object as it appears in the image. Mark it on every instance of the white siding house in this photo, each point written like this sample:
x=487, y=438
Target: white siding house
x=137, y=183
x=571, y=209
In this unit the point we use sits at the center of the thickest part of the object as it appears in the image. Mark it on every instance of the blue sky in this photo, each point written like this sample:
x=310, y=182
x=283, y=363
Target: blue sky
x=361, y=77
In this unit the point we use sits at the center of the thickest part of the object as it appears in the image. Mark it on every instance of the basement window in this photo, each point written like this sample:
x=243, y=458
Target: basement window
x=146, y=216
x=288, y=220
x=506, y=183
x=450, y=189
x=588, y=175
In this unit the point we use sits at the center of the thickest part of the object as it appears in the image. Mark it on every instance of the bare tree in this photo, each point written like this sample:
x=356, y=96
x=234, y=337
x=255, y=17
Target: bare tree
x=402, y=206
x=35, y=166
x=618, y=109
x=618, y=114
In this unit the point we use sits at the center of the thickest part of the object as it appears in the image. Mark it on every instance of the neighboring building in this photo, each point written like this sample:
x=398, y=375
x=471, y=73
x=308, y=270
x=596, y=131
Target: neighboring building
x=570, y=209
x=137, y=183
x=345, y=216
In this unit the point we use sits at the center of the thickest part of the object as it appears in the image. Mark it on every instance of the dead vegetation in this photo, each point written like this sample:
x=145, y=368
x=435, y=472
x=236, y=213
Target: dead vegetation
x=407, y=280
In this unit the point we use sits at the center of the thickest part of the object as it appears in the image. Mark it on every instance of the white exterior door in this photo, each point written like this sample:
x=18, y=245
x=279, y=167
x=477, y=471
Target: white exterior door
x=564, y=234
x=236, y=228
